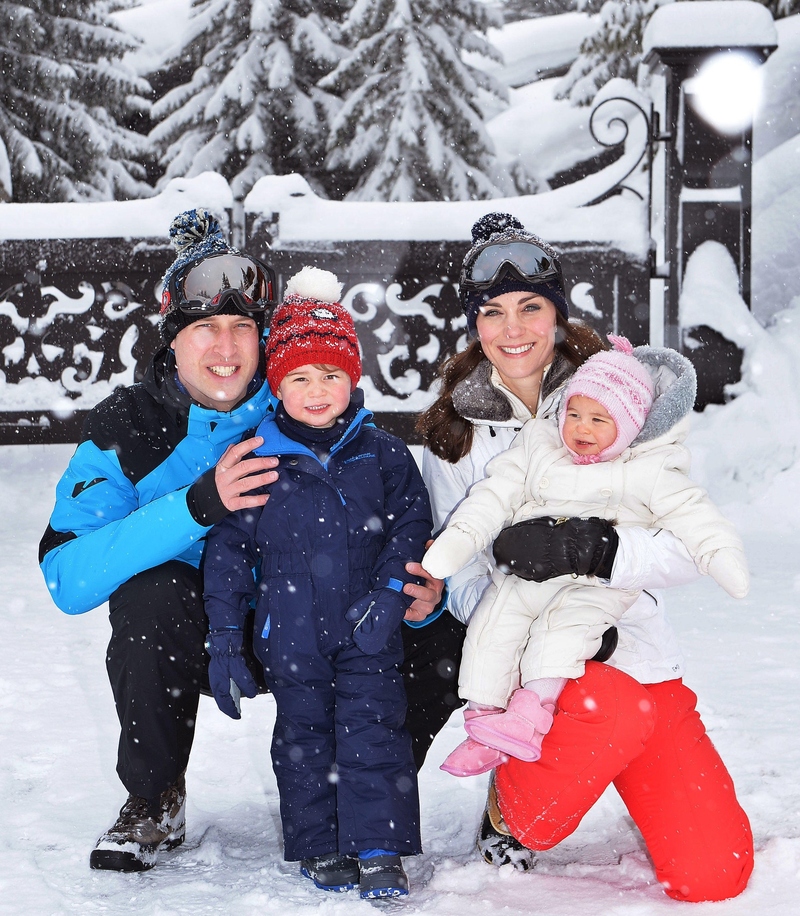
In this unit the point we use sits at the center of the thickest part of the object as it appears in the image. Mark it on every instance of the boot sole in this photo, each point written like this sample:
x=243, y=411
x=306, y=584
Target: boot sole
x=378, y=893
x=125, y=861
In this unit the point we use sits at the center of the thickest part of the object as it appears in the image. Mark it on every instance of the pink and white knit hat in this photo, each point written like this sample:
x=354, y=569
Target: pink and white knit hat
x=618, y=381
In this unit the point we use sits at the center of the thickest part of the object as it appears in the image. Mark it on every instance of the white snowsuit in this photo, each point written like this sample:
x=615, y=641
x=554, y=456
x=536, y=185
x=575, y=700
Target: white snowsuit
x=525, y=630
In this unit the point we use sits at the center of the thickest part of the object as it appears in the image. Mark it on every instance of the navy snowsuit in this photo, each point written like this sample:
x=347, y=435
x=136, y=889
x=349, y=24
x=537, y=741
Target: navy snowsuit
x=332, y=532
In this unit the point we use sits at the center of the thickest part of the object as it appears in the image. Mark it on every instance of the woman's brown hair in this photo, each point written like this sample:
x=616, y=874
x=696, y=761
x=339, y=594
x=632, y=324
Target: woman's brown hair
x=449, y=435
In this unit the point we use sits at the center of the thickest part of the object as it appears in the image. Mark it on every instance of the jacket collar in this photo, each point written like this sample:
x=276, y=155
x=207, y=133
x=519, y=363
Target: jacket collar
x=476, y=398
x=278, y=443
x=161, y=384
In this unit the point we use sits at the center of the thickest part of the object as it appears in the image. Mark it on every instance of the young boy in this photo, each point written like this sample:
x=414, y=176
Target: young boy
x=616, y=454
x=329, y=549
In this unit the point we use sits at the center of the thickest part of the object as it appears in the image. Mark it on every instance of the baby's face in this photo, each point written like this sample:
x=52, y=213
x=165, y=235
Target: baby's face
x=315, y=395
x=588, y=427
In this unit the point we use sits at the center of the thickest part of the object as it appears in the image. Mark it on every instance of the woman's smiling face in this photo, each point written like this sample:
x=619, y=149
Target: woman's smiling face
x=517, y=332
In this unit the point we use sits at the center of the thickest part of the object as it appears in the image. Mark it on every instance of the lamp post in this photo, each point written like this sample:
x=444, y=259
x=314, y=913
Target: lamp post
x=709, y=53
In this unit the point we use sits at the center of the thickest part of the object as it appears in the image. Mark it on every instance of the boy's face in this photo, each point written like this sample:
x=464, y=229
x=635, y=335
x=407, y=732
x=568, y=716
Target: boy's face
x=315, y=395
x=588, y=427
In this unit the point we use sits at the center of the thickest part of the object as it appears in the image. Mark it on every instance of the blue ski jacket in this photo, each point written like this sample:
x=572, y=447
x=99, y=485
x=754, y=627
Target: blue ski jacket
x=121, y=505
x=331, y=533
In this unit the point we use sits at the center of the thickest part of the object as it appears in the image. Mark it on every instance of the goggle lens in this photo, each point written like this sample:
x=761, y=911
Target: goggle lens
x=525, y=258
x=203, y=287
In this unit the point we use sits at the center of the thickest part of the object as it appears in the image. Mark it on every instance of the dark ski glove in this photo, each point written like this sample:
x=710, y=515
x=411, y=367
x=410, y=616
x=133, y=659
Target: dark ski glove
x=543, y=548
x=376, y=616
x=228, y=674
x=608, y=646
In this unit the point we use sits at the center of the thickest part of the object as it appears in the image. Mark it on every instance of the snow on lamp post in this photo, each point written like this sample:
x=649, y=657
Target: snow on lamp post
x=709, y=53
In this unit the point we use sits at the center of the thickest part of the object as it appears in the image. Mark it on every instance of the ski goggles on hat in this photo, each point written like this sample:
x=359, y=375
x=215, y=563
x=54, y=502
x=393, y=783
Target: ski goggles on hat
x=486, y=266
x=207, y=286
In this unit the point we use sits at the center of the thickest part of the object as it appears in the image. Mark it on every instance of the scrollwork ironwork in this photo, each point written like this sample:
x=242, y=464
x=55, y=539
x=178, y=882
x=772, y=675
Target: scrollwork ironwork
x=607, y=121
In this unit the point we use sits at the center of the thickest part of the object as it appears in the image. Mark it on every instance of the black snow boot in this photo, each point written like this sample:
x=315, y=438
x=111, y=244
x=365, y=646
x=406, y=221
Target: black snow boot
x=496, y=844
x=383, y=876
x=332, y=872
x=141, y=829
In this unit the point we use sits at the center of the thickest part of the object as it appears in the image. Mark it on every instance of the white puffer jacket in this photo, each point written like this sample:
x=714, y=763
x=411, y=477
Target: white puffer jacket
x=646, y=558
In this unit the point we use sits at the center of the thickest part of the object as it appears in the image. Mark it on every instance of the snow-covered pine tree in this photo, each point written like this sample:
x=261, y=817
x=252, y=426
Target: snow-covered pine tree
x=411, y=126
x=65, y=97
x=614, y=49
x=251, y=107
x=782, y=8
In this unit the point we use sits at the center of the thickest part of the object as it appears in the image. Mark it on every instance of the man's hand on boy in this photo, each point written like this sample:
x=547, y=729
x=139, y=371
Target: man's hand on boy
x=236, y=475
x=426, y=596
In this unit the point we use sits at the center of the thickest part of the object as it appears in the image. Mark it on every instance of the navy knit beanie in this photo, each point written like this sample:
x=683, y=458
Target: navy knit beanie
x=195, y=234
x=503, y=227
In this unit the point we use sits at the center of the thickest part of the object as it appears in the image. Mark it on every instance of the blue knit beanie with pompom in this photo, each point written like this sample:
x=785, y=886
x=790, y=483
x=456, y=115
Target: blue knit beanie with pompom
x=503, y=227
x=195, y=234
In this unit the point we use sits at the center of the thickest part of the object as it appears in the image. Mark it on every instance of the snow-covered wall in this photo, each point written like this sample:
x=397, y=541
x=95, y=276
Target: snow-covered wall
x=80, y=284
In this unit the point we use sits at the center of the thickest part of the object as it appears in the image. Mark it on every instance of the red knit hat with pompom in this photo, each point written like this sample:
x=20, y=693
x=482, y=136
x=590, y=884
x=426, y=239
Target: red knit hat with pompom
x=311, y=327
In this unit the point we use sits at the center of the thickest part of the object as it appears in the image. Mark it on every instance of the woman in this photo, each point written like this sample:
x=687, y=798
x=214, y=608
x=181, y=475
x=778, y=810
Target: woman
x=631, y=722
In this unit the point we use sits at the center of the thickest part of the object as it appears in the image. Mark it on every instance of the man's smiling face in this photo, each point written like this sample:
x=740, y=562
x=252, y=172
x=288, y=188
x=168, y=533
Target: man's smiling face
x=216, y=358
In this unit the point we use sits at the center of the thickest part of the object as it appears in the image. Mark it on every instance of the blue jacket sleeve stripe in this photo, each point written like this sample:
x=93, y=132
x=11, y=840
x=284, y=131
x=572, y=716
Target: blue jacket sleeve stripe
x=114, y=536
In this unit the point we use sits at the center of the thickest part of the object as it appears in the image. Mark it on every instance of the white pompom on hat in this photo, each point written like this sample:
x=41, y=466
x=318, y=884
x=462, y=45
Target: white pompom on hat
x=623, y=385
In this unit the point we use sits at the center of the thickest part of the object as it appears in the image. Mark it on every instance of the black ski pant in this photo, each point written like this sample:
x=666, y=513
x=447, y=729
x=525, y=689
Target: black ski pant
x=430, y=674
x=158, y=667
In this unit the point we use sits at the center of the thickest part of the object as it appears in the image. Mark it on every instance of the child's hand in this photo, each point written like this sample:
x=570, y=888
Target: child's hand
x=729, y=568
x=451, y=551
x=376, y=616
x=227, y=669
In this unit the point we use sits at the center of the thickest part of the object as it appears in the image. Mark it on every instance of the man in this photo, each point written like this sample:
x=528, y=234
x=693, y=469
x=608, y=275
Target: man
x=159, y=463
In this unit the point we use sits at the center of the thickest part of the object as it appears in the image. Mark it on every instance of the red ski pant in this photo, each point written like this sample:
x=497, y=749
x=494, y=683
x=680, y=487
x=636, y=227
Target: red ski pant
x=650, y=742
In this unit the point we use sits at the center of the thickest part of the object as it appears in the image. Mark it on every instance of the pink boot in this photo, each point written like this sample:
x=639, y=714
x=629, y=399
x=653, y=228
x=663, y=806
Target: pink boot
x=471, y=759
x=518, y=731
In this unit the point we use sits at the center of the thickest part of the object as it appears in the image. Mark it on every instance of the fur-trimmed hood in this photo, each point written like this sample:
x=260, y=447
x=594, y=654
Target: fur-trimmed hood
x=675, y=382
x=674, y=377
x=675, y=389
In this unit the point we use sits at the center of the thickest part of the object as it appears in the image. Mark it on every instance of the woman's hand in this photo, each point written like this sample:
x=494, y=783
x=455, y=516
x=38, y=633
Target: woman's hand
x=426, y=596
x=543, y=548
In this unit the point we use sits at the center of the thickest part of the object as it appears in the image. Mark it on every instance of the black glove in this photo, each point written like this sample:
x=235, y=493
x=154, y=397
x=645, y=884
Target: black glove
x=543, y=548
